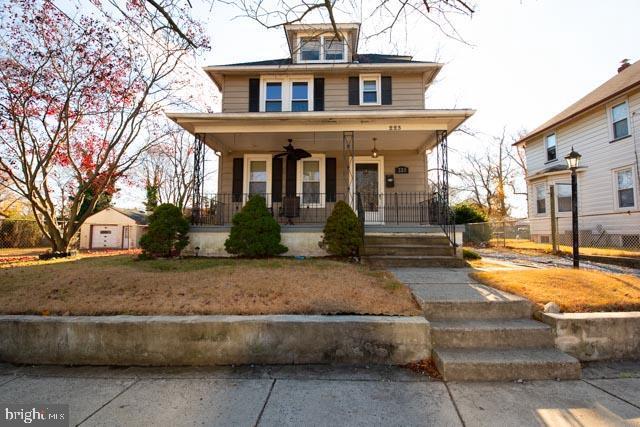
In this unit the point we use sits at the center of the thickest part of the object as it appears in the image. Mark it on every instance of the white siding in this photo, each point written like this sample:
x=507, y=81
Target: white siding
x=590, y=136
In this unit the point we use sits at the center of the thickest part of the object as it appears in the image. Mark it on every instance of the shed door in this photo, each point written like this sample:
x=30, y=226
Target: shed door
x=105, y=236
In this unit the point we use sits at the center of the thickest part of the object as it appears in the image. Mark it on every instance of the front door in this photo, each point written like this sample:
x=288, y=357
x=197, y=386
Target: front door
x=369, y=184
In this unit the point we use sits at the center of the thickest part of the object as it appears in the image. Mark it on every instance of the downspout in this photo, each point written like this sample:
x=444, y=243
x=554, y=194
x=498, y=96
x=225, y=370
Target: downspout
x=635, y=144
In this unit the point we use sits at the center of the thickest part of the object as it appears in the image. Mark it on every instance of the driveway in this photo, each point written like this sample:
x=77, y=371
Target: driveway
x=609, y=394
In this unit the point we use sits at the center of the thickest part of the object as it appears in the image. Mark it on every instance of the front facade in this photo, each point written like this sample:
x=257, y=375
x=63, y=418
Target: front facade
x=603, y=127
x=359, y=119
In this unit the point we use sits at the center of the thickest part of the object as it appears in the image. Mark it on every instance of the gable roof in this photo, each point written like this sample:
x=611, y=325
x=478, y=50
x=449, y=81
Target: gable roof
x=617, y=85
x=361, y=58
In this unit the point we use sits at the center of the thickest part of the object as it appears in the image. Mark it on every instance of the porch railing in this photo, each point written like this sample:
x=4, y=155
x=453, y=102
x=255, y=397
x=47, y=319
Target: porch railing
x=315, y=208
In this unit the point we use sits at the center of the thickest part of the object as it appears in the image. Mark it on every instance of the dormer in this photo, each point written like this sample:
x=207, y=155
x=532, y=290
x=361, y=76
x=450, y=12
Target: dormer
x=318, y=43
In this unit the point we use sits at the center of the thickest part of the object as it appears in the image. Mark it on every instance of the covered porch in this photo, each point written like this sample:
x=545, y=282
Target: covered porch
x=390, y=166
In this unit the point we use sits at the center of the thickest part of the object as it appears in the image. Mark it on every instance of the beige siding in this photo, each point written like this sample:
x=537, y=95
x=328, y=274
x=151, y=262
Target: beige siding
x=590, y=135
x=407, y=93
x=414, y=181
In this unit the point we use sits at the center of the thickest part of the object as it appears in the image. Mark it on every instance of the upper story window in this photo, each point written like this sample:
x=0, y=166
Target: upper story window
x=310, y=48
x=300, y=96
x=564, y=197
x=321, y=49
x=370, y=89
x=541, y=202
x=292, y=93
x=625, y=188
x=551, y=147
x=620, y=120
x=273, y=96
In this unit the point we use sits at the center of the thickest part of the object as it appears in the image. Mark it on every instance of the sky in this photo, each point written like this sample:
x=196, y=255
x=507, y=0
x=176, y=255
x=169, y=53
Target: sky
x=524, y=60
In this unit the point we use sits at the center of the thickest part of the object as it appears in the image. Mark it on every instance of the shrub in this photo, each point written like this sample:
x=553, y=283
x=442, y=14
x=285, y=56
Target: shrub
x=254, y=233
x=466, y=213
x=469, y=254
x=18, y=233
x=342, y=232
x=167, y=232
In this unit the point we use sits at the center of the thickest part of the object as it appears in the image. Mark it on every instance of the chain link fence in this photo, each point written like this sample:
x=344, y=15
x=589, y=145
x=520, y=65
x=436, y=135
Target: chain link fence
x=523, y=234
x=21, y=237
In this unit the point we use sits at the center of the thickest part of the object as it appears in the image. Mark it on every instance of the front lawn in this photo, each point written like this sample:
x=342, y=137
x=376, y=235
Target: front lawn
x=122, y=285
x=574, y=291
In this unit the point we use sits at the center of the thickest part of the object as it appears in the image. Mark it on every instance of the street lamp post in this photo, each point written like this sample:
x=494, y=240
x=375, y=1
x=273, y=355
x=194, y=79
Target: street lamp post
x=573, y=161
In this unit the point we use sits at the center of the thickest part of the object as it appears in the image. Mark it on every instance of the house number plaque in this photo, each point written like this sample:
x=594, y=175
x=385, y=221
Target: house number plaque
x=402, y=169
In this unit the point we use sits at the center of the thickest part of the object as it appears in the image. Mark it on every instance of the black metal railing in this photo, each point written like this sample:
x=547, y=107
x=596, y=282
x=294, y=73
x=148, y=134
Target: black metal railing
x=315, y=208
x=441, y=214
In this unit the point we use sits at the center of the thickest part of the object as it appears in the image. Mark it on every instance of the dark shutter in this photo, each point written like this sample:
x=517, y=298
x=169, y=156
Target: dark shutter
x=330, y=178
x=354, y=90
x=276, y=180
x=291, y=176
x=318, y=94
x=254, y=95
x=236, y=184
x=386, y=90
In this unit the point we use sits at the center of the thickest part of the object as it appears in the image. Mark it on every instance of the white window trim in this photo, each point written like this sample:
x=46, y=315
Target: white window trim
x=535, y=207
x=557, y=191
x=323, y=181
x=245, y=184
x=305, y=35
x=610, y=106
x=546, y=156
x=616, y=200
x=375, y=77
x=287, y=82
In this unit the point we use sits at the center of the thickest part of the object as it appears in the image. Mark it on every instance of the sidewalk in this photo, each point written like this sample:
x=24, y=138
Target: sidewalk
x=320, y=395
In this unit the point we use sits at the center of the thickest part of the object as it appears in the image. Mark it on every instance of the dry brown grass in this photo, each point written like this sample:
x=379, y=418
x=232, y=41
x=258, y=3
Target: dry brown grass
x=527, y=245
x=572, y=290
x=122, y=285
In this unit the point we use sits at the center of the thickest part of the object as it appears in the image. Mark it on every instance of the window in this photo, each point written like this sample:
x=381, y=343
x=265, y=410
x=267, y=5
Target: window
x=541, y=202
x=257, y=175
x=300, y=96
x=310, y=49
x=311, y=180
x=333, y=49
x=624, y=186
x=620, y=120
x=370, y=89
x=563, y=192
x=273, y=100
x=550, y=144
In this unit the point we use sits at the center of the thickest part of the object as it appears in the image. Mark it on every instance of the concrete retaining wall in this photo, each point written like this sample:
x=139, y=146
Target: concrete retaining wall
x=213, y=340
x=596, y=336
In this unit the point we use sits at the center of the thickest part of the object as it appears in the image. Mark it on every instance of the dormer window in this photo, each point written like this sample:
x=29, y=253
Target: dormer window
x=321, y=49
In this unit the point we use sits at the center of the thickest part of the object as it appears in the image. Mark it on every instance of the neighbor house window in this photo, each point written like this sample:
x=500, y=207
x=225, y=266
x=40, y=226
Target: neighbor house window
x=311, y=185
x=370, y=89
x=564, y=197
x=333, y=49
x=300, y=96
x=625, y=188
x=550, y=144
x=541, y=202
x=273, y=96
x=620, y=120
x=310, y=49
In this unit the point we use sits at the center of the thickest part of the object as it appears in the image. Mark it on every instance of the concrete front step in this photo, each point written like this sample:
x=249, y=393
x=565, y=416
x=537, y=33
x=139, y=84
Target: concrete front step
x=499, y=333
x=410, y=250
x=405, y=239
x=505, y=365
x=474, y=310
x=391, y=261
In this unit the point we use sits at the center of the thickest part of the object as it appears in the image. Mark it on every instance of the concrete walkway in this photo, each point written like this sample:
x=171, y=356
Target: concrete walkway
x=318, y=395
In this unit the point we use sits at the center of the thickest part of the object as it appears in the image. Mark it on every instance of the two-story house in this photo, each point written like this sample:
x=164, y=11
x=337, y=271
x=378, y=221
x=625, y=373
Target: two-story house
x=326, y=123
x=603, y=127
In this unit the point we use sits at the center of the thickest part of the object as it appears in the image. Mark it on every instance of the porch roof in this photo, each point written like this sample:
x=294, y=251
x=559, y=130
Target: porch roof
x=322, y=130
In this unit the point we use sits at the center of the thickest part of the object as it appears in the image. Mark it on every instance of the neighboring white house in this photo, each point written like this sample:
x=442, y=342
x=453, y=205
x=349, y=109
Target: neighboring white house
x=603, y=127
x=113, y=228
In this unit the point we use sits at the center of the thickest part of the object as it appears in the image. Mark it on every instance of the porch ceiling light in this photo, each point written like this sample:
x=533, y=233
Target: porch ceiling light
x=573, y=159
x=374, y=152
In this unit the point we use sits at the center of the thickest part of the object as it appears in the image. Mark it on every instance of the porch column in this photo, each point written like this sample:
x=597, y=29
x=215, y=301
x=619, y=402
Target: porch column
x=348, y=156
x=198, y=179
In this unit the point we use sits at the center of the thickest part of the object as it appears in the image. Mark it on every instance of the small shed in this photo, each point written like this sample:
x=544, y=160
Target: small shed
x=113, y=228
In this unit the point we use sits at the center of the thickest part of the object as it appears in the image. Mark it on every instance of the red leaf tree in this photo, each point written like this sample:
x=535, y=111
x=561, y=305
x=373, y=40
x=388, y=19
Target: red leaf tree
x=80, y=99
